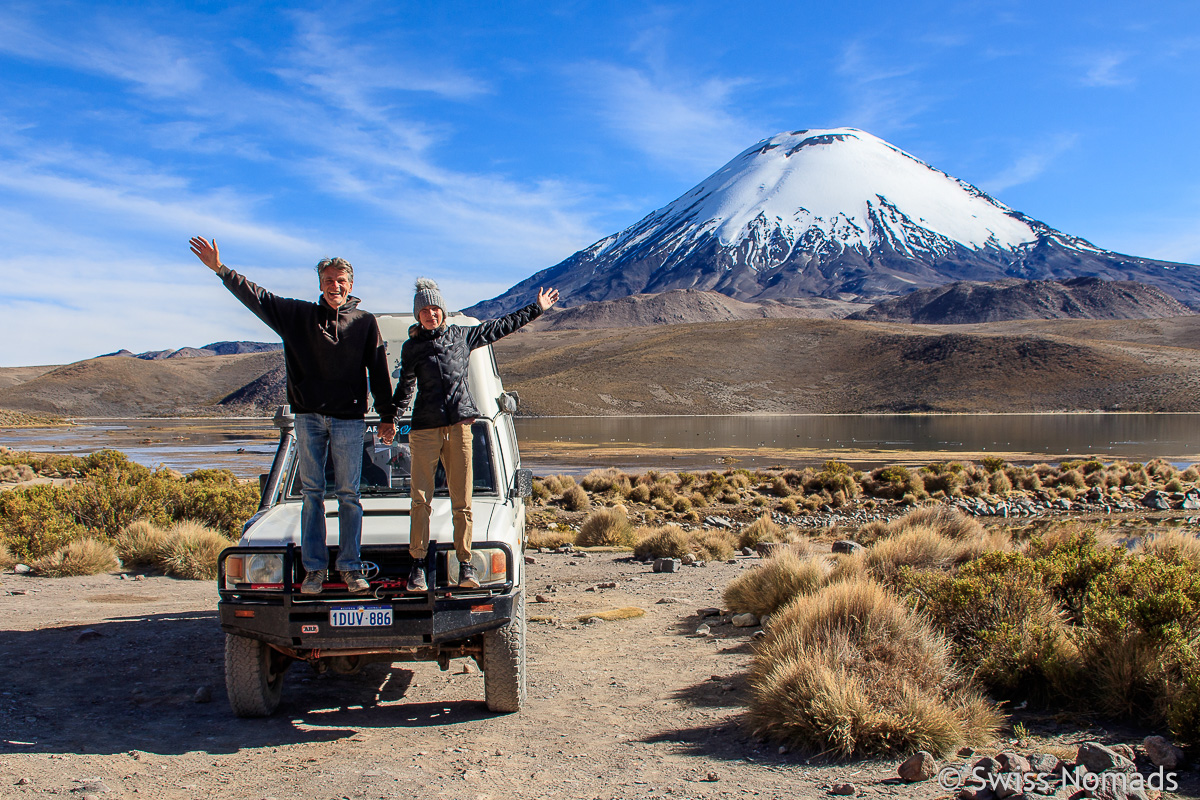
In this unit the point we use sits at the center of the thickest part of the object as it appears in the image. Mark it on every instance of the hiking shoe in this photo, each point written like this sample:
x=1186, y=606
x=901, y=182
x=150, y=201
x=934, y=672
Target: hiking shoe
x=466, y=576
x=314, y=581
x=416, y=578
x=356, y=582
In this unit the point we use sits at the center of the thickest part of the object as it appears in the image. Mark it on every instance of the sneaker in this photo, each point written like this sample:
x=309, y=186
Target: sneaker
x=356, y=582
x=416, y=578
x=314, y=581
x=466, y=576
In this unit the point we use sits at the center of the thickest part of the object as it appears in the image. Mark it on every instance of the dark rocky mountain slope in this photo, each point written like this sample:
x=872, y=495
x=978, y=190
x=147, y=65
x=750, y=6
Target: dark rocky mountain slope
x=964, y=302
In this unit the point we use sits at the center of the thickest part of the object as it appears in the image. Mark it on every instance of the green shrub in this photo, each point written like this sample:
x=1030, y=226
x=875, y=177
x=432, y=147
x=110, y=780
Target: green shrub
x=993, y=463
x=111, y=492
x=894, y=482
x=1141, y=636
x=36, y=521
x=1070, y=559
x=835, y=476
x=1006, y=628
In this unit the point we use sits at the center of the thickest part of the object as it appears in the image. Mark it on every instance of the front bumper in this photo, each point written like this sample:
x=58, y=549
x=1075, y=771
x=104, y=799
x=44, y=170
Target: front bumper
x=298, y=623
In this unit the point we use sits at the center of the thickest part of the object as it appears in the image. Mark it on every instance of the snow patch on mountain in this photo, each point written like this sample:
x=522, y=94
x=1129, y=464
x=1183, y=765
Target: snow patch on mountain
x=843, y=186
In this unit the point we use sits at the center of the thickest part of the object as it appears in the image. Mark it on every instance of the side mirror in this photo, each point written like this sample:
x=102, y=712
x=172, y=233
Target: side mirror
x=284, y=419
x=508, y=402
x=522, y=485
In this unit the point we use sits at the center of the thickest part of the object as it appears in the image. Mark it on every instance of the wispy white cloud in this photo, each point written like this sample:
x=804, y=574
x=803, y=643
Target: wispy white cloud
x=688, y=126
x=881, y=97
x=156, y=64
x=1031, y=164
x=1103, y=69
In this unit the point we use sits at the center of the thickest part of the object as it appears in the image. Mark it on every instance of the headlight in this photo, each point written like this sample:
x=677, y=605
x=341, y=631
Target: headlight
x=260, y=570
x=265, y=568
x=491, y=566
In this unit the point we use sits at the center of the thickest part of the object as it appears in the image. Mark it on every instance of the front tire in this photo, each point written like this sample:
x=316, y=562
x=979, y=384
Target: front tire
x=504, y=663
x=253, y=676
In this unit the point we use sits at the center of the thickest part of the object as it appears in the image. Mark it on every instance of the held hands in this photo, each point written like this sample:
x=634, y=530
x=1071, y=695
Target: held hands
x=547, y=298
x=206, y=252
x=387, y=432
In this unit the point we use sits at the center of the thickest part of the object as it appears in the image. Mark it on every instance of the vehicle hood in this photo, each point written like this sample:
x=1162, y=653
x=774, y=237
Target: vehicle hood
x=385, y=521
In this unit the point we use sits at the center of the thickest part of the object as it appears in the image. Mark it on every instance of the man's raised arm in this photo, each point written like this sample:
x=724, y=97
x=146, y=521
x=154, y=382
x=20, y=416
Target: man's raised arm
x=266, y=306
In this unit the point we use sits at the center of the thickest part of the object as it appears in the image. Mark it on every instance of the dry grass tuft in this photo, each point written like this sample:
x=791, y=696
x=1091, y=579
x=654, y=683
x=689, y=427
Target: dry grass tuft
x=715, y=545
x=1173, y=545
x=671, y=541
x=141, y=544
x=608, y=480
x=665, y=541
x=763, y=529
x=85, y=556
x=919, y=547
x=848, y=567
x=849, y=671
x=7, y=559
x=551, y=538
x=606, y=527
x=781, y=578
x=191, y=551
x=946, y=520
x=576, y=499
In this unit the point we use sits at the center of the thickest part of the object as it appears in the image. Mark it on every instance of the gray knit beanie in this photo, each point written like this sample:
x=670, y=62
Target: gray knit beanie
x=427, y=295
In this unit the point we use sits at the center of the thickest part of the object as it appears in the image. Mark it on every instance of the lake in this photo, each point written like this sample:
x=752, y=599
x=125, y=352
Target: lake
x=578, y=444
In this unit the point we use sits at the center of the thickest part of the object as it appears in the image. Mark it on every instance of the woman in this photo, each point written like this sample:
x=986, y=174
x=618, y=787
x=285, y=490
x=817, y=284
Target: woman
x=433, y=365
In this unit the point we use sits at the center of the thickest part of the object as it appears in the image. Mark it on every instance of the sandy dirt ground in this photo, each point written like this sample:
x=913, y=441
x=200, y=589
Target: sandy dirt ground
x=106, y=681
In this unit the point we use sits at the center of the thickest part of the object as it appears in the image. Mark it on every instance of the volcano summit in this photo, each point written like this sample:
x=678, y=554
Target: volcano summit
x=839, y=214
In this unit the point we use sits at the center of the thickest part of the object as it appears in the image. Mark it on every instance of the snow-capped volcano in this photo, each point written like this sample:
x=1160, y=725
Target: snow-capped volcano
x=834, y=213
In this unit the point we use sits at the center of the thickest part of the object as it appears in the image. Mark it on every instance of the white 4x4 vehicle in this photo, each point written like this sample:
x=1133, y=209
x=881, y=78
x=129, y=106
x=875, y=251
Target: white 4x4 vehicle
x=268, y=624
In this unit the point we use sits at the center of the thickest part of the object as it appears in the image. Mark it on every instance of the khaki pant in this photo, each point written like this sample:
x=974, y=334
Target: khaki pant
x=452, y=445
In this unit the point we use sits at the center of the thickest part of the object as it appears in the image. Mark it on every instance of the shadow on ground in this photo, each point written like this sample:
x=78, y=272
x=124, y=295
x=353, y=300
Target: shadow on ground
x=131, y=683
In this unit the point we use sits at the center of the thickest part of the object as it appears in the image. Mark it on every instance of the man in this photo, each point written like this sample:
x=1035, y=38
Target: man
x=330, y=348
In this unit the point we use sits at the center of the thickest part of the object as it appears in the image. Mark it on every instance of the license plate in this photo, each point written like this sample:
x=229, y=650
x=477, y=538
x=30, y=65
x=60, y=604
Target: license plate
x=361, y=617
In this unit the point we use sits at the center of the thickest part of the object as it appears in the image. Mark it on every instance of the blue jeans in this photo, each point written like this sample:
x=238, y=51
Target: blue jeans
x=318, y=437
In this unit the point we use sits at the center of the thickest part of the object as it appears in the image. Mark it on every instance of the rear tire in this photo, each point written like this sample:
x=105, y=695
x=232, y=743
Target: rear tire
x=253, y=676
x=504, y=663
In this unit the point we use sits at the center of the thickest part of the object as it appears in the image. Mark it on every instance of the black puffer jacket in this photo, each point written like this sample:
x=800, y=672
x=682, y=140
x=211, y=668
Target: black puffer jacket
x=433, y=365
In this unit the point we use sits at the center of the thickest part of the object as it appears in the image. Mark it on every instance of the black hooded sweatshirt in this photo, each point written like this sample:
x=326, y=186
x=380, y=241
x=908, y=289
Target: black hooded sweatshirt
x=328, y=352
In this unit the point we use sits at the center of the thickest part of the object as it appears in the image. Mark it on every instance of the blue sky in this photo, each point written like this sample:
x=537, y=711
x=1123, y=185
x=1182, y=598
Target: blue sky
x=477, y=143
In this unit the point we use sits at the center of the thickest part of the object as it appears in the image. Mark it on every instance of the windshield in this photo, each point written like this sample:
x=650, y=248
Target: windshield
x=386, y=468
